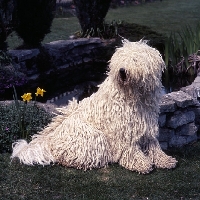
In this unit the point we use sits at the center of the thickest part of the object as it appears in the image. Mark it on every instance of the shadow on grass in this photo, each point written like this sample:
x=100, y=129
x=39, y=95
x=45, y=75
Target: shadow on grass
x=19, y=181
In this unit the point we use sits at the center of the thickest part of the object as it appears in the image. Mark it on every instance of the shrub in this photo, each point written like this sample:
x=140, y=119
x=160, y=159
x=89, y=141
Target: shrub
x=6, y=20
x=182, y=51
x=20, y=120
x=108, y=31
x=10, y=77
x=34, y=19
x=91, y=14
x=5, y=58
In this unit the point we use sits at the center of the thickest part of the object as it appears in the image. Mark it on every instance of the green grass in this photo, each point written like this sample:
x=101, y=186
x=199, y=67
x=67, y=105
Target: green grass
x=61, y=29
x=163, y=17
x=56, y=182
x=19, y=181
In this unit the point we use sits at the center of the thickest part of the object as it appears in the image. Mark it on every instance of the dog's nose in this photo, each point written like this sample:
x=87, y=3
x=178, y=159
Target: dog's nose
x=122, y=70
x=122, y=74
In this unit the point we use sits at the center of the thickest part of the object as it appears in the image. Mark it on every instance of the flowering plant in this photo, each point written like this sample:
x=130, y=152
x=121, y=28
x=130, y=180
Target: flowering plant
x=21, y=119
x=40, y=92
x=26, y=97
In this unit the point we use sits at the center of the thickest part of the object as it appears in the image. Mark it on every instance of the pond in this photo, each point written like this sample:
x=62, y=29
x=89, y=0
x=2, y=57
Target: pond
x=87, y=88
x=60, y=96
x=176, y=83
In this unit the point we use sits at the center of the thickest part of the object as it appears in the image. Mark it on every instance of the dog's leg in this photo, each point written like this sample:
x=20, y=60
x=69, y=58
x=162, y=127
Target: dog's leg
x=134, y=159
x=158, y=157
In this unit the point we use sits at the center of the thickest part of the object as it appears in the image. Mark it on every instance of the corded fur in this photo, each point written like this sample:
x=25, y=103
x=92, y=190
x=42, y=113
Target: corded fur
x=118, y=123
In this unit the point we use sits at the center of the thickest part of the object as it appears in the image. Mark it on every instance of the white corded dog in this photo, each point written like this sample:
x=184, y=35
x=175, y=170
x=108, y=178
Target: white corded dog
x=117, y=124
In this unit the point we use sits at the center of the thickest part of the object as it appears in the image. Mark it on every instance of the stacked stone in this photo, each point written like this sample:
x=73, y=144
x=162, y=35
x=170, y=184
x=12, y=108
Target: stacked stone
x=65, y=54
x=68, y=53
x=25, y=61
x=177, y=120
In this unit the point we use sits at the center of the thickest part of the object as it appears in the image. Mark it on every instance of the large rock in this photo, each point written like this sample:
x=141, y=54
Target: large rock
x=180, y=118
x=178, y=141
x=23, y=55
x=165, y=134
x=194, y=89
x=186, y=129
x=167, y=104
x=162, y=120
x=180, y=98
x=75, y=51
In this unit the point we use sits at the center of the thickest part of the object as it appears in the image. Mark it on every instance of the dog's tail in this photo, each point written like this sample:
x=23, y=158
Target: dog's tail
x=38, y=151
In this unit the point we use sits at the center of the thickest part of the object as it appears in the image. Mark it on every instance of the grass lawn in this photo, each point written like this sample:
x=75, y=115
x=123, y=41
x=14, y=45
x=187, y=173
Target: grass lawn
x=113, y=183
x=162, y=16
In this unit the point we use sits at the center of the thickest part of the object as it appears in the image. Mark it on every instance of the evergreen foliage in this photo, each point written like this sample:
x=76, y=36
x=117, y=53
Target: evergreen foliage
x=6, y=19
x=91, y=15
x=34, y=19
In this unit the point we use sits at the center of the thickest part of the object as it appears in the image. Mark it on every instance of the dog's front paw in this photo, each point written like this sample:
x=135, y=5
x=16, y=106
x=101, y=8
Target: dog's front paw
x=136, y=162
x=165, y=161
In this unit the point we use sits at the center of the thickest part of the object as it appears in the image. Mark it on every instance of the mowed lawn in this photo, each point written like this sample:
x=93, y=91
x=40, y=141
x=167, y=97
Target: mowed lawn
x=53, y=182
x=21, y=182
x=162, y=16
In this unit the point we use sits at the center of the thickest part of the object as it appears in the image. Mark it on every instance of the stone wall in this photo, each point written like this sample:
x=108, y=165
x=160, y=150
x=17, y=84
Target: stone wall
x=178, y=120
x=76, y=61
x=63, y=54
x=62, y=64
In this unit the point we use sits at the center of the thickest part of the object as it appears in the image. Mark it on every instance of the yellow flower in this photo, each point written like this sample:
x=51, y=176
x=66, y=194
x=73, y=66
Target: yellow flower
x=40, y=92
x=26, y=97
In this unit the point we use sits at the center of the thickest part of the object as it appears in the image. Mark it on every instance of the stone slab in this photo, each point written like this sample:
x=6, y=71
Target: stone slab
x=180, y=118
x=22, y=55
x=66, y=45
x=196, y=110
x=164, y=145
x=187, y=129
x=165, y=134
x=178, y=141
x=162, y=120
x=181, y=99
x=167, y=105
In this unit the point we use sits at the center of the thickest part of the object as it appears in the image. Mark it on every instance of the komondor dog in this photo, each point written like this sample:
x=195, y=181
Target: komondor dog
x=117, y=124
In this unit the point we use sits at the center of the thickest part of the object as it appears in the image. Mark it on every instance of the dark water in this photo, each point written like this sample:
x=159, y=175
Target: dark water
x=175, y=83
x=87, y=88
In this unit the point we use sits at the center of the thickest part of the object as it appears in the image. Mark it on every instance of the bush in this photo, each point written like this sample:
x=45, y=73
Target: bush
x=91, y=14
x=6, y=20
x=34, y=119
x=108, y=31
x=182, y=54
x=34, y=19
x=5, y=58
x=10, y=77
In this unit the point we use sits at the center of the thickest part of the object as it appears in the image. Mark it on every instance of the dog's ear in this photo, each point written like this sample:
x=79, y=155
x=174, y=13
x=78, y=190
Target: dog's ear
x=122, y=74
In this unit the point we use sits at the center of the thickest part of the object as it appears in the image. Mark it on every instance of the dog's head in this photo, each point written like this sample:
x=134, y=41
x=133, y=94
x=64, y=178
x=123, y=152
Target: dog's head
x=137, y=65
